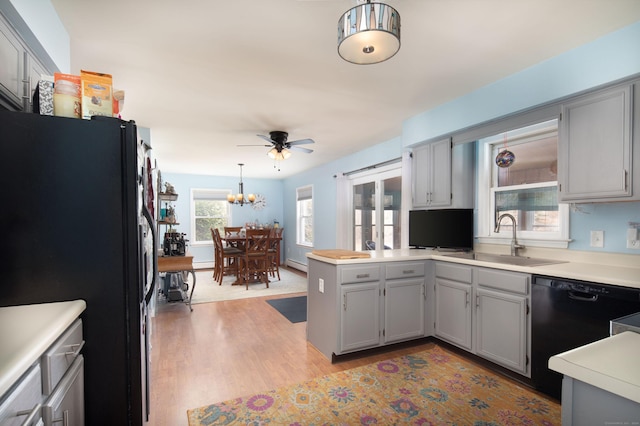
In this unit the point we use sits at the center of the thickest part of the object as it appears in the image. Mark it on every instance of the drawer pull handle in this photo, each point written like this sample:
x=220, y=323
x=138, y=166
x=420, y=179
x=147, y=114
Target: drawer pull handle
x=75, y=349
x=362, y=276
x=31, y=414
x=408, y=271
x=64, y=419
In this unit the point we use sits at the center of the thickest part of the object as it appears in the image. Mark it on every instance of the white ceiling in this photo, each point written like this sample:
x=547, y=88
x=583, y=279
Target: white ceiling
x=208, y=75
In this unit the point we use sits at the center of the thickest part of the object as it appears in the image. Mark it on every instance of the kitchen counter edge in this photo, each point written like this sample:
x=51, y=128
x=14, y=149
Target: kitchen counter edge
x=27, y=331
x=598, y=273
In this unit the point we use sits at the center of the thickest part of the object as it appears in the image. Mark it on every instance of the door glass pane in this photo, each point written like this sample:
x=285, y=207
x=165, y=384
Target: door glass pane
x=391, y=215
x=364, y=201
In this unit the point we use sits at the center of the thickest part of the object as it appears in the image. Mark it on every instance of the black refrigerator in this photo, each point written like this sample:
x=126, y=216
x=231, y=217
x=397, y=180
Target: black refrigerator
x=76, y=225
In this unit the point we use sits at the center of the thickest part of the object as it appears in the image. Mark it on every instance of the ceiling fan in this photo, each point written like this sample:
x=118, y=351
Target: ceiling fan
x=280, y=147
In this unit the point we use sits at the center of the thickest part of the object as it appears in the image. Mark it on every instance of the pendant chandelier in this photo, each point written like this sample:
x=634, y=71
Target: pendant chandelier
x=239, y=197
x=369, y=33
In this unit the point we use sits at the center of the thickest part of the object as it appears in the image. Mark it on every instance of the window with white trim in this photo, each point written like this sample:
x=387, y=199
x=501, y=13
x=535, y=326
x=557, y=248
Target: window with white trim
x=304, y=216
x=527, y=189
x=209, y=209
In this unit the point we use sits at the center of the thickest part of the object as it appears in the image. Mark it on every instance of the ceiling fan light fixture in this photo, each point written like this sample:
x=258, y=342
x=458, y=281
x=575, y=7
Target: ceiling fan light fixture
x=279, y=155
x=369, y=33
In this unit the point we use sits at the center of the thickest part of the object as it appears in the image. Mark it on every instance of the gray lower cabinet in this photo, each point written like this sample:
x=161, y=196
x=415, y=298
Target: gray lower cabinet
x=485, y=311
x=362, y=306
x=404, y=301
x=360, y=316
x=453, y=292
x=51, y=392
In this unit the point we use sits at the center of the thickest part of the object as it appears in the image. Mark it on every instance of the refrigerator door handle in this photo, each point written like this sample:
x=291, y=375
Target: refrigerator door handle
x=147, y=215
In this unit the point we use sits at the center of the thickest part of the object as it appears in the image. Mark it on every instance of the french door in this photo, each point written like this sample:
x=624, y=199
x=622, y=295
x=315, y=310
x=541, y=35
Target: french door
x=376, y=210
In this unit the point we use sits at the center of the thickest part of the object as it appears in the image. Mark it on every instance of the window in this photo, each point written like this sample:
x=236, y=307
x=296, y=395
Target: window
x=304, y=216
x=210, y=210
x=527, y=189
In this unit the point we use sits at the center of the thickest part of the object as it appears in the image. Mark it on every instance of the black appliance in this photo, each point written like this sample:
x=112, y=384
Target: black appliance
x=76, y=226
x=443, y=229
x=174, y=243
x=566, y=314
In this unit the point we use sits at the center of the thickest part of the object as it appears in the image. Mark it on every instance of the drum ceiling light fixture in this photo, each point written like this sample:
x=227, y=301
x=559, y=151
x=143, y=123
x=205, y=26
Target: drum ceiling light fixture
x=369, y=33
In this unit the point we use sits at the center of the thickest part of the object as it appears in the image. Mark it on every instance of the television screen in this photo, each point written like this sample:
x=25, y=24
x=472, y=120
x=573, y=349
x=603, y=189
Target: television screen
x=446, y=228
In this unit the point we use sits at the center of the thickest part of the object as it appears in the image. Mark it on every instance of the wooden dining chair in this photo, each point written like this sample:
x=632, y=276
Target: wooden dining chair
x=231, y=231
x=225, y=258
x=255, y=261
x=274, y=251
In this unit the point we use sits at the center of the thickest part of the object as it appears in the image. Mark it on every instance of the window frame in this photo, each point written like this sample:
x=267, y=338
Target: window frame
x=301, y=196
x=487, y=184
x=215, y=194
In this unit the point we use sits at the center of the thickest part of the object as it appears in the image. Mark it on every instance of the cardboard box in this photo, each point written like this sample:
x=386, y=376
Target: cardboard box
x=66, y=95
x=97, y=98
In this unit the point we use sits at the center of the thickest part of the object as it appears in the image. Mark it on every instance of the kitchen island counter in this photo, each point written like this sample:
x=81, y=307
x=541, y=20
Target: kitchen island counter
x=26, y=331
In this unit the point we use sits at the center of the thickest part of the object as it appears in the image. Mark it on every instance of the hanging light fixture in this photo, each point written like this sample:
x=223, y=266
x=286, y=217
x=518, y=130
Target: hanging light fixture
x=279, y=154
x=239, y=197
x=369, y=33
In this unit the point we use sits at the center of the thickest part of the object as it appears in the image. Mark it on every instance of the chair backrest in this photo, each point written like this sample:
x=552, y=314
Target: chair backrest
x=257, y=241
x=276, y=236
x=229, y=230
x=217, y=240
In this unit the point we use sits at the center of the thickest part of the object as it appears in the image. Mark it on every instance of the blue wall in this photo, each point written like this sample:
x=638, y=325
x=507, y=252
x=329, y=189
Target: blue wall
x=183, y=183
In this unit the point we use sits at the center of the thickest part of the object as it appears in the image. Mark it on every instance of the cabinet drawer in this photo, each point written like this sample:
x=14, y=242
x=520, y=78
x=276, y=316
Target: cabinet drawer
x=507, y=281
x=404, y=270
x=359, y=274
x=459, y=273
x=23, y=400
x=57, y=359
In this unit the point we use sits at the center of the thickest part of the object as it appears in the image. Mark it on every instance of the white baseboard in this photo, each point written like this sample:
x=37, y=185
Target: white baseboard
x=203, y=265
x=297, y=265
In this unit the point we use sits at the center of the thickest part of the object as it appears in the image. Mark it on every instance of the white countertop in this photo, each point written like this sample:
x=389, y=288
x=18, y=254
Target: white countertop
x=610, y=364
x=626, y=276
x=27, y=331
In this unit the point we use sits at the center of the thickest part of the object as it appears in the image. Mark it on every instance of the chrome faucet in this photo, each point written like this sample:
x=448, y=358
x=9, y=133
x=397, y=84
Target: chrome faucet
x=514, y=243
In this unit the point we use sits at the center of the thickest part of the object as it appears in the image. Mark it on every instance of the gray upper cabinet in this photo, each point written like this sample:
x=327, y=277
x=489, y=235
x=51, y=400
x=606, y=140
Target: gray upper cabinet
x=431, y=169
x=11, y=65
x=20, y=70
x=595, y=148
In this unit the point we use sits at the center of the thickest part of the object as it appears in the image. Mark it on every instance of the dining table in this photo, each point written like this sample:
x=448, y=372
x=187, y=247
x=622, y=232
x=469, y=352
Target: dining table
x=238, y=240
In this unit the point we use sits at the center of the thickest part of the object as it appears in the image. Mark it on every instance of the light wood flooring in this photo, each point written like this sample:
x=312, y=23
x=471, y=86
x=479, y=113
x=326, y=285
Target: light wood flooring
x=224, y=350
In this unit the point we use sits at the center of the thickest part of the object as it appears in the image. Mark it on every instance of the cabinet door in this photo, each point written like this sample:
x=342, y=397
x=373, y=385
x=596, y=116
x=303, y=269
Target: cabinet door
x=65, y=406
x=404, y=302
x=501, y=328
x=453, y=312
x=595, y=147
x=21, y=406
x=360, y=316
x=432, y=175
x=11, y=65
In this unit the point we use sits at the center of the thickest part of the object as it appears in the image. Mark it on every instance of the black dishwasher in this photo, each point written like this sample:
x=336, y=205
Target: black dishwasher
x=566, y=314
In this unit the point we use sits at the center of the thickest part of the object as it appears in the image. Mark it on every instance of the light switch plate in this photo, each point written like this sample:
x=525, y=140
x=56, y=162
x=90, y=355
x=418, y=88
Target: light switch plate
x=597, y=238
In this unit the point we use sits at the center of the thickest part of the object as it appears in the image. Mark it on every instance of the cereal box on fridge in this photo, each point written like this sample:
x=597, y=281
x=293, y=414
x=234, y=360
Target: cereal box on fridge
x=97, y=98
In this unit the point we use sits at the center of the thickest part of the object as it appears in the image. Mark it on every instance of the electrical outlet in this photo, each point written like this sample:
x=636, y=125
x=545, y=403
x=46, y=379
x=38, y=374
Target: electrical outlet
x=597, y=238
x=632, y=239
x=321, y=285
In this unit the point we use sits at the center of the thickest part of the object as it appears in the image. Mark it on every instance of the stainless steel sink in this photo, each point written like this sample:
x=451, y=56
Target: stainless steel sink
x=505, y=259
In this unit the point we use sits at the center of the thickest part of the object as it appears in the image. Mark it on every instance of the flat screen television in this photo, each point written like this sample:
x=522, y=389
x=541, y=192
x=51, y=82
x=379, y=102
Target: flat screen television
x=445, y=229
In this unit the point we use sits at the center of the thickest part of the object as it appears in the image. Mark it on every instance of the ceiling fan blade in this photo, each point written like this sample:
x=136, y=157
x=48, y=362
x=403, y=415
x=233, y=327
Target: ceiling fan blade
x=256, y=145
x=301, y=142
x=266, y=138
x=299, y=148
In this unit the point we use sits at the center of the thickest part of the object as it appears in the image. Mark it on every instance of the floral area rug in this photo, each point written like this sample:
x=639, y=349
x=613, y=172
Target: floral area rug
x=432, y=387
